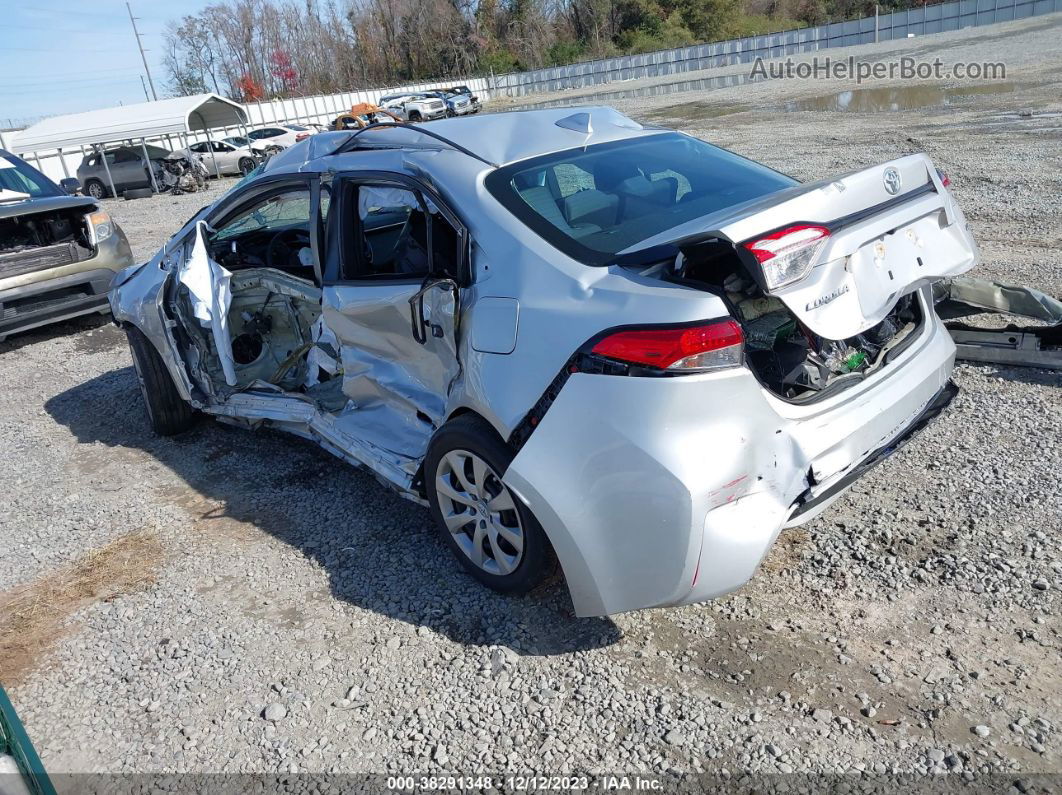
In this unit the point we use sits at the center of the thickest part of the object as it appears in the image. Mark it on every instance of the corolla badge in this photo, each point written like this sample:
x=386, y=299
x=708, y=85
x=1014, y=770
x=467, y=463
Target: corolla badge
x=892, y=181
x=822, y=300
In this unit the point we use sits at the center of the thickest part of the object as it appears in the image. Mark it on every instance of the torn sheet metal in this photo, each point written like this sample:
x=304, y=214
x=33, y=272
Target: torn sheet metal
x=986, y=296
x=324, y=355
x=210, y=292
x=1023, y=346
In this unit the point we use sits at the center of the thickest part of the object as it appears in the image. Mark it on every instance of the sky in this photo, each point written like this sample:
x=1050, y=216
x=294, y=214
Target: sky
x=66, y=56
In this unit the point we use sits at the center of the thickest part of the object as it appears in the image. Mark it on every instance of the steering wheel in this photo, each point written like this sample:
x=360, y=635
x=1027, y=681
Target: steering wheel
x=296, y=235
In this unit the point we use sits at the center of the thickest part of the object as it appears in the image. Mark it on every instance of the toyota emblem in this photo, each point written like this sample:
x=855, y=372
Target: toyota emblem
x=892, y=181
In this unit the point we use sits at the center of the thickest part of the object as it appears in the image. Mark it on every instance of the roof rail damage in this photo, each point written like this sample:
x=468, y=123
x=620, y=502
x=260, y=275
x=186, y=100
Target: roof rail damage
x=1022, y=346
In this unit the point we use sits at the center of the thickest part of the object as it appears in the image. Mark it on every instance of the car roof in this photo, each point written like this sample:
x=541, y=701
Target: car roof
x=471, y=143
x=502, y=138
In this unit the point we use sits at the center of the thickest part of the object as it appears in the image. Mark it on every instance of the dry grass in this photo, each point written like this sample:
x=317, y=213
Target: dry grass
x=787, y=551
x=33, y=616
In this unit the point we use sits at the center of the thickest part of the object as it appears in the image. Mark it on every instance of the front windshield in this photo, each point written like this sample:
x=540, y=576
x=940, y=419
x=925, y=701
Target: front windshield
x=279, y=212
x=595, y=202
x=19, y=180
x=237, y=141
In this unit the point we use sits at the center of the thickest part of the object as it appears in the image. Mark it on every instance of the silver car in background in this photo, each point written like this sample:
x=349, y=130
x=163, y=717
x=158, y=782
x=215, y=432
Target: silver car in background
x=227, y=157
x=573, y=338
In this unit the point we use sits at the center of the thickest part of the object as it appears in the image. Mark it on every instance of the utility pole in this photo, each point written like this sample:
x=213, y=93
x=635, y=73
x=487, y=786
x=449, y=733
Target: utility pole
x=143, y=58
x=143, y=86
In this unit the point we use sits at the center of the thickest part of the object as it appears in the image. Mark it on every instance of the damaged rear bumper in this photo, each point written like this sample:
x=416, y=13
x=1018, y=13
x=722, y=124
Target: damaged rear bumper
x=935, y=408
x=658, y=492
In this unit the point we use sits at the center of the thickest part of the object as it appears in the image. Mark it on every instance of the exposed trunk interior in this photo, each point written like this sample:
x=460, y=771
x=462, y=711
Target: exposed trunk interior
x=37, y=241
x=787, y=357
x=278, y=340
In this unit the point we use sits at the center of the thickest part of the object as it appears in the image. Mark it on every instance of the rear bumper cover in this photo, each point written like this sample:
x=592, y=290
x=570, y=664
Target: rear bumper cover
x=665, y=491
x=931, y=412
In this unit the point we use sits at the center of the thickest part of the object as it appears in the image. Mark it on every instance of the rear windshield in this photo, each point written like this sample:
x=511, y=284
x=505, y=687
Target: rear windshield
x=595, y=202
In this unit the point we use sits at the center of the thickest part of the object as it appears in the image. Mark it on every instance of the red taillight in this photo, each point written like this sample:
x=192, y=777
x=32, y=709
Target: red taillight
x=301, y=137
x=706, y=347
x=784, y=241
x=943, y=178
x=788, y=254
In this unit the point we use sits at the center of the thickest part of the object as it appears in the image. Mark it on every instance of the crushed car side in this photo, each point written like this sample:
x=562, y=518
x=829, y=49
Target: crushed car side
x=652, y=490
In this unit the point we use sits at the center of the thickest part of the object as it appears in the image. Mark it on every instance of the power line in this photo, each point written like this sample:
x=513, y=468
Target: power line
x=46, y=89
x=52, y=29
x=65, y=75
x=67, y=81
x=65, y=51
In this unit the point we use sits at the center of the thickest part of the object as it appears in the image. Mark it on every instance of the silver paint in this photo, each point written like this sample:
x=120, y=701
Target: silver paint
x=653, y=491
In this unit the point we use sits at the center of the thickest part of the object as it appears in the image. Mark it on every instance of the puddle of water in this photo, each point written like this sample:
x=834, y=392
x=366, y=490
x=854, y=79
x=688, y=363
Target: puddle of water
x=695, y=111
x=909, y=97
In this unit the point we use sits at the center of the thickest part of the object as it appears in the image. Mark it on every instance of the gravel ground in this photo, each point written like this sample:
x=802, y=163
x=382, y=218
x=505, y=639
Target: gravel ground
x=305, y=618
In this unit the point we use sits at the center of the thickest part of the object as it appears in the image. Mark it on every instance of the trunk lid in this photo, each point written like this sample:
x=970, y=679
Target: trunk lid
x=892, y=229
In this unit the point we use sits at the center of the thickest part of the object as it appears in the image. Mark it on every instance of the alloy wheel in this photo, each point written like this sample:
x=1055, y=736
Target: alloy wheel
x=479, y=512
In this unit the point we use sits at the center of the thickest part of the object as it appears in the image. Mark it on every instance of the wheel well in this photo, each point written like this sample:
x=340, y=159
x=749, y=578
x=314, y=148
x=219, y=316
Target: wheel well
x=460, y=411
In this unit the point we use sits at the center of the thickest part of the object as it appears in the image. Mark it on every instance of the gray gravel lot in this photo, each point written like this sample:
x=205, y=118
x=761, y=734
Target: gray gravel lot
x=913, y=627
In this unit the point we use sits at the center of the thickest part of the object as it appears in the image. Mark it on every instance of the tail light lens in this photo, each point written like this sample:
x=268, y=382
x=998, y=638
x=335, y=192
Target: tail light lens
x=711, y=346
x=943, y=178
x=788, y=254
x=301, y=137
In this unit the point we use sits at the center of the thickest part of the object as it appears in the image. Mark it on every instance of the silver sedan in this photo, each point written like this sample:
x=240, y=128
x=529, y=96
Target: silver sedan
x=575, y=339
x=229, y=158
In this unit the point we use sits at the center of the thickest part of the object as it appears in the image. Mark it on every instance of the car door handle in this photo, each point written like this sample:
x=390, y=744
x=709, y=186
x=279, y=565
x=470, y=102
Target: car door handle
x=418, y=322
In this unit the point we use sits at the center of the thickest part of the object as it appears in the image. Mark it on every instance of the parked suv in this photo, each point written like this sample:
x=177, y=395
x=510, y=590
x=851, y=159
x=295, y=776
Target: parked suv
x=467, y=92
x=570, y=336
x=415, y=107
x=127, y=167
x=58, y=253
x=456, y=104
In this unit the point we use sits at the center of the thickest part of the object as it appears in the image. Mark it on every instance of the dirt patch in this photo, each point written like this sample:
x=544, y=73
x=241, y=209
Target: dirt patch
x=32, y=616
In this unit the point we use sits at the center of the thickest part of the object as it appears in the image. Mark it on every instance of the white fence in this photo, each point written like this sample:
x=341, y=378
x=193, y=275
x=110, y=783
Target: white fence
x=321, y=109
x=925, y=20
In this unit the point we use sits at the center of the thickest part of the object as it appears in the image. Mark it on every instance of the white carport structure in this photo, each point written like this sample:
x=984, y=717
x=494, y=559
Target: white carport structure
x=178, y=116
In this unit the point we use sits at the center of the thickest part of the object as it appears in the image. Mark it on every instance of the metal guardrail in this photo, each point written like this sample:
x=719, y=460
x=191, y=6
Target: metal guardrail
x=926, y=20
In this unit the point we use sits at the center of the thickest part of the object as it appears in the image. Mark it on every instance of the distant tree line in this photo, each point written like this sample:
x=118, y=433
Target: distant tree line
x=258, y=49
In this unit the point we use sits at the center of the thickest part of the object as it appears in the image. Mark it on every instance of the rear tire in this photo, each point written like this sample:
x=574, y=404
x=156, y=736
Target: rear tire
x=492, y=533
x=167, y=412
x=95, y=189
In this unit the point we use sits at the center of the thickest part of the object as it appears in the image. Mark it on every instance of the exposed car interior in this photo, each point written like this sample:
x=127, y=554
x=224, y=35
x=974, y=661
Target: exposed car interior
x=274, y=321
x=274, y=233
x=394, y=231
x=611, y=197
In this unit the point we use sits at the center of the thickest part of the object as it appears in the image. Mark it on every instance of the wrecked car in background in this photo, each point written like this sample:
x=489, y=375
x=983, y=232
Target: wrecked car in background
x=58, y=252
x=415, y=107
x=567, y=334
